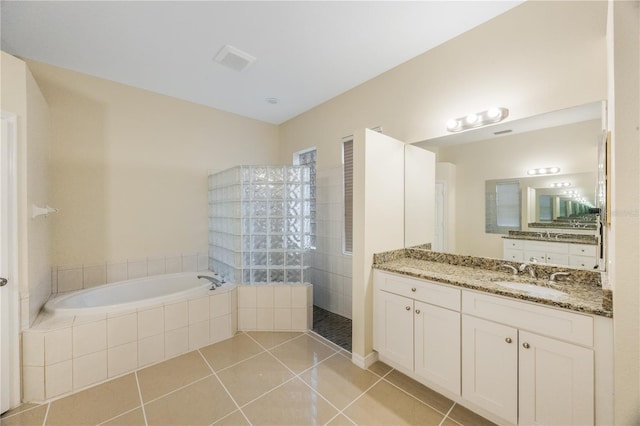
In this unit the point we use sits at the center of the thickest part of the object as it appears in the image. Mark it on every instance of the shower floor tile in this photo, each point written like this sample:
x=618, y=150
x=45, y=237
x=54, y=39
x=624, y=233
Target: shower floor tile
x=332, y=327
x=254, y=378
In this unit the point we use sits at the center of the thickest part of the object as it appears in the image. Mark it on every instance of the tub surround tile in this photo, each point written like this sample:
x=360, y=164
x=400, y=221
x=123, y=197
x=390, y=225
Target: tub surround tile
x=136, y=268
x=264, y=296
x=583, y=288
x=190, y=262
x=33, y=383
x=199, y=334
x=116, y=271
x=282, y=297
x=203, y=261
x=122, y=329
x=264, y=319
x=282, y=319
x=54, y=279
x=220, y=328
x=219, y=305
x=176, y=315
x=155, y=265
x=89, y=338
x=69, y=278
x=150, y=322
x=247, y=318
x=198, y=309
x=89, y=369
x=151, y=350
x=58, y=345
x=173, y=264
x=247, y=296
x=33, y=349
x=94, y=275
x=88, y=318
x=122, y=359
x=58, y=379
x=176, y=342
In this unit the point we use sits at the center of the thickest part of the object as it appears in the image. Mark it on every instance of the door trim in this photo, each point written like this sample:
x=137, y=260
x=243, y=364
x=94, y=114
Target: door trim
x=10, y=200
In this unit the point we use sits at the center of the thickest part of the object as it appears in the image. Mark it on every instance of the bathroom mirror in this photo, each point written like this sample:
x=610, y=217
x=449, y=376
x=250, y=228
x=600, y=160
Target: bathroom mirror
x=568, y=139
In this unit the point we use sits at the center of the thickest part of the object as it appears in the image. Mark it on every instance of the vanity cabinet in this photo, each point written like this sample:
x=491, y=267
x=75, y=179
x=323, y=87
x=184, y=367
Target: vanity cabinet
x=551, y=252
x=526, y=363
x=417, y=329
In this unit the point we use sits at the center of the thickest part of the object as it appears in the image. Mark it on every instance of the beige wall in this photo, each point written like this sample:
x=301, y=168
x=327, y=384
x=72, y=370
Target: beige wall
x=21, y=96
x=573, y=148
x=535, y=58
x=624, y=249
x=129, y=167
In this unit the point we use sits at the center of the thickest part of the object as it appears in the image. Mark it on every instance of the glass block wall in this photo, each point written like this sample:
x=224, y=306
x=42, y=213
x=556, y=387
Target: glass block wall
x=259, y=224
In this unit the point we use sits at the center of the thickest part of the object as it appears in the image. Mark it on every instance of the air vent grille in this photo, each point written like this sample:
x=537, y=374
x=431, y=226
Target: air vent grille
x=234, y=58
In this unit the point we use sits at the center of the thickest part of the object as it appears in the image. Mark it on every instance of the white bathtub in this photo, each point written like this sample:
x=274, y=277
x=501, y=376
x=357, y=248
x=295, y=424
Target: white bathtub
x=131, y=294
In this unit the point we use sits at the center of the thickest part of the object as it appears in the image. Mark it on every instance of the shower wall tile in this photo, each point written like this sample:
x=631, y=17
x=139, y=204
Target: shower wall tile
x=203, y=261
x=94, y=275
x=69, y=278
x=54, y=279
x=264, y=296
x=173, y=264
x=190, y=262
x=155, y=266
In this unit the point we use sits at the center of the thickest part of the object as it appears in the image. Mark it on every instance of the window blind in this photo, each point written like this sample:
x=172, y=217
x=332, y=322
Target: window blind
x=508, y=204
x=347, y=160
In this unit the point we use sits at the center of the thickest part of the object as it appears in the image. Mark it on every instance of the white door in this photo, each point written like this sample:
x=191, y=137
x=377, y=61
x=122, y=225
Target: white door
x=556, y=382
x=437, y=345
x=490, y=366
x=9, y=363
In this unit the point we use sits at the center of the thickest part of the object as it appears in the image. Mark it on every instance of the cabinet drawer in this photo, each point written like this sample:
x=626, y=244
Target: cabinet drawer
x=582, y=250
x=513, y=255
x=557, y=259
x=547, y=247
x=551, y=322
x=421, y=290
x=587, y=262
x=513, y=244
x=535, y=256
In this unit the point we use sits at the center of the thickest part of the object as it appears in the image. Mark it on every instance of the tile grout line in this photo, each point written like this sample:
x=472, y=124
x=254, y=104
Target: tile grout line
x=446, y=416
x=144, y=412
x=178, y=389
x=214, y=374
x=46, y=414
x=23, y=411
x=415, y=397
x=120, y=415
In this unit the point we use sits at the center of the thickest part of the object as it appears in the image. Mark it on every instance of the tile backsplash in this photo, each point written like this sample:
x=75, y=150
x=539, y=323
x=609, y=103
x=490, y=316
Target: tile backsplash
x=77, y=277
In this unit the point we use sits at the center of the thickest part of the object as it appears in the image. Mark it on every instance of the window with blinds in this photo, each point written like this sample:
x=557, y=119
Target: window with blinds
x=503, y=208
x=347, y=161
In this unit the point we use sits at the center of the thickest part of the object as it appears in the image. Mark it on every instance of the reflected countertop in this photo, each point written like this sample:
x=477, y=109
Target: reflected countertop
x=582, y=289
x=553, y=237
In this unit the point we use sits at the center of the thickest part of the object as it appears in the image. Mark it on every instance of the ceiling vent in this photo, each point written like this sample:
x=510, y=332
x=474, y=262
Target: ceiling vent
x=234, y=58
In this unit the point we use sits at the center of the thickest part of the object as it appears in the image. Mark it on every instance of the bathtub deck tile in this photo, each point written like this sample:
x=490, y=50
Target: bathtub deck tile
x=89, y=369
x=122, y=329
x=89, y=338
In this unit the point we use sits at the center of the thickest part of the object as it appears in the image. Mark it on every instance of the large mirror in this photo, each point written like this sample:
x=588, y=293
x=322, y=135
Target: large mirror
x=470, y=165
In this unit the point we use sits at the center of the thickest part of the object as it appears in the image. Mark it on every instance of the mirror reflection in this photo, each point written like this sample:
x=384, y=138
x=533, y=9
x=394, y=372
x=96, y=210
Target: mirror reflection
x=485, y=194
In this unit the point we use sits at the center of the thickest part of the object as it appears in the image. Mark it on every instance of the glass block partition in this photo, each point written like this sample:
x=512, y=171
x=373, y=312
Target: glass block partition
x=259, y=224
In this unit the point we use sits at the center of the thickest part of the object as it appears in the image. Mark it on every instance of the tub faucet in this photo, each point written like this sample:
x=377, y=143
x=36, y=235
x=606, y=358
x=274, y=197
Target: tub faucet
x=215, y=282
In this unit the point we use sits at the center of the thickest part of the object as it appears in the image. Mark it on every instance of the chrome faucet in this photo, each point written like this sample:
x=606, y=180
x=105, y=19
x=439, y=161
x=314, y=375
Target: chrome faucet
x=215, y=282
x=513, y=268
x=532, y=271
x=552, y=278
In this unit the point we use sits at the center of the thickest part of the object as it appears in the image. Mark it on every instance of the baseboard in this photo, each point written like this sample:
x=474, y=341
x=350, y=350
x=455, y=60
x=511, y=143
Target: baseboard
x=366, y=361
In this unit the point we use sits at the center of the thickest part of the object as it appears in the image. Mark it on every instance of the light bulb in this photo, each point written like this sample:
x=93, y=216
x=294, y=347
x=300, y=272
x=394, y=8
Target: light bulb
x=554, y=170
x=493, y=113
x=452, y=124
x=471, y=118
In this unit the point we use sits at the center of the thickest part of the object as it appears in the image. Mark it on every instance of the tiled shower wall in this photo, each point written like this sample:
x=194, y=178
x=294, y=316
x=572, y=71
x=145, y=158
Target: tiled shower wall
x=330, y=271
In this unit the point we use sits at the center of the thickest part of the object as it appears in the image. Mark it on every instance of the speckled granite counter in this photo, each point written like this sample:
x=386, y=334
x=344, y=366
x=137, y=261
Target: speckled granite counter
x=553, y=237
x=583, y=288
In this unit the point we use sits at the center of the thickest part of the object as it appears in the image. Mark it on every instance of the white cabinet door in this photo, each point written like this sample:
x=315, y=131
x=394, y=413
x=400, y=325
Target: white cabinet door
x=556, y=382
x=490, y=366
x=437, y=345
x=394, y=328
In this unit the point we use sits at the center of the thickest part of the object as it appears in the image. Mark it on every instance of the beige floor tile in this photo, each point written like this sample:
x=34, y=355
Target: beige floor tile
x=269, y=339
x=326, y=342
x=385, y=404
x=251, y=378
x=340, y=420
x=302, y=353
x=200, y=403
x=231, y=351
x=293, y=403
x=18, y=409
x=380, y=368
x=234, y=419
x=132, y=418
x=339, y=380
x=32, y=415
x=96, y=404
x=449, y=422
x=167, y=376
x=467, y=417
x=423, y=393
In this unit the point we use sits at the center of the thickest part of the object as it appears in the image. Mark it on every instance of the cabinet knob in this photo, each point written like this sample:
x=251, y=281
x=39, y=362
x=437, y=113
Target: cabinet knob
x=508, y=340
x=408, y=308
x=417, y=311
x=526, y=345
x=413, y=289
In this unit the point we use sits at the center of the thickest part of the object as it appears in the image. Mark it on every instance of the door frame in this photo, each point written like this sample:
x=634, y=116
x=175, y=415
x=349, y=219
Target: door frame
x=10, y=239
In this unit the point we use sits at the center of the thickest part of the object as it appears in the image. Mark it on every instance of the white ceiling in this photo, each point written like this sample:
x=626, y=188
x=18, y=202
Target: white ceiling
x=307, y=52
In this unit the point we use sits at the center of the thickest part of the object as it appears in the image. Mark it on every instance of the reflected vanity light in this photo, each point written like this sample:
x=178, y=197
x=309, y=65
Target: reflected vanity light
x=543, y=171
x=490, y=116
x=560, y=184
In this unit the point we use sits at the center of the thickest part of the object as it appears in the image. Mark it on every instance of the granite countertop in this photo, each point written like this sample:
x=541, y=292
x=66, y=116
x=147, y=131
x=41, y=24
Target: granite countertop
x=553, y=237
x=583, y=288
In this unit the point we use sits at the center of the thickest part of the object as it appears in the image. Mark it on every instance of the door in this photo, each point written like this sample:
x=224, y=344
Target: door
x=490, y=366
x=393, y=325
x=556, y=382
x=9, y=351
x=437, y=345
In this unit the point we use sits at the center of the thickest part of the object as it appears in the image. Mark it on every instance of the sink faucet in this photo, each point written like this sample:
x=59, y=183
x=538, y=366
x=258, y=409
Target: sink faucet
x=552, y=278
x=532, y=271
x=215, y=282
x=513, y=268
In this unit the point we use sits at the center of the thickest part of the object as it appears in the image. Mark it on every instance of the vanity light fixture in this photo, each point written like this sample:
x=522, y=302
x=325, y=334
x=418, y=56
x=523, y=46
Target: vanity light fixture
x=560, y=184
x=543, y=171
x=490, y=116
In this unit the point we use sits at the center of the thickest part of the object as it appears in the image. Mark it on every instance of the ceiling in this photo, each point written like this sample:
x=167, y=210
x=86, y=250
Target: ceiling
x=307, y=52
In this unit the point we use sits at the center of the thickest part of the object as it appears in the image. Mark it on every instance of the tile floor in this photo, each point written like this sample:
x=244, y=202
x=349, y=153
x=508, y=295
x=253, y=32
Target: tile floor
x=259, y=378
x=333, y=327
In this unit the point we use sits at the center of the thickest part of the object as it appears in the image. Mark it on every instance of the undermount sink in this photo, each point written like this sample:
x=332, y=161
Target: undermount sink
x=534, y=290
